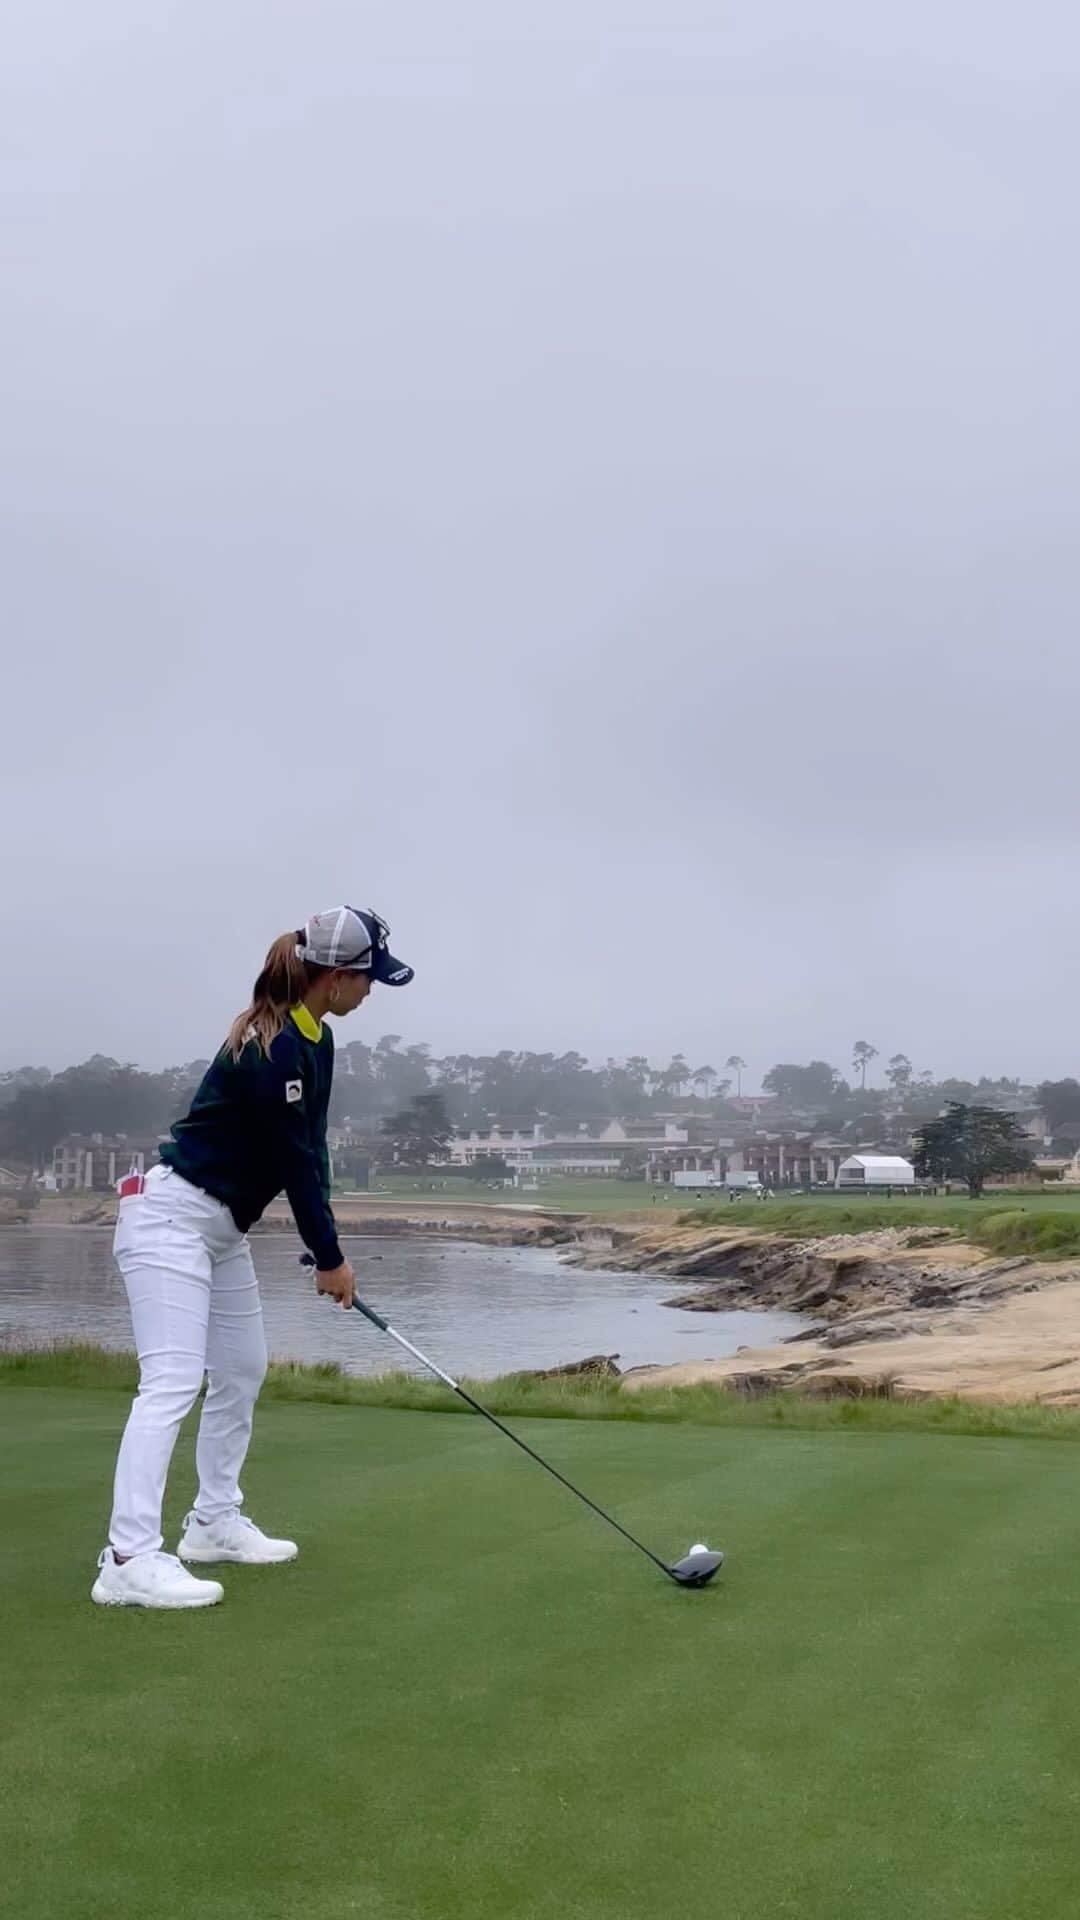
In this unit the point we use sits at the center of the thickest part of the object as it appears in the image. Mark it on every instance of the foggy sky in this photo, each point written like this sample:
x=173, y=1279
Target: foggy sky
x=596, y=481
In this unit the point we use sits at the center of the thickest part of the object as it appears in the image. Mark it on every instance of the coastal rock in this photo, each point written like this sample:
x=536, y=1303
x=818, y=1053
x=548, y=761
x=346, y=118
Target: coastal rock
x=598, y=1366
x=941, y=1291
x=828, y=1286
x=754, y=1385
x=814, y=1381
x=848, y=1386
x=861, y=1330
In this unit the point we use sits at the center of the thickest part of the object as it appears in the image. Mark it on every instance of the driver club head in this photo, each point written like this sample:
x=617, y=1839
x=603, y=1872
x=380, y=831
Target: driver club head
x=696, y=1569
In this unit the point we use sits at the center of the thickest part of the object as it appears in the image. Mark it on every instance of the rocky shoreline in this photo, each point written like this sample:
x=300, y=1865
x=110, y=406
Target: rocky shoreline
x=904, y=1311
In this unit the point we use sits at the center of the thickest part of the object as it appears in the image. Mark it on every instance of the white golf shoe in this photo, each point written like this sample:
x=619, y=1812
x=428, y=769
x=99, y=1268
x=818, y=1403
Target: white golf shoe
x=232, y=1537
x=151, y=1580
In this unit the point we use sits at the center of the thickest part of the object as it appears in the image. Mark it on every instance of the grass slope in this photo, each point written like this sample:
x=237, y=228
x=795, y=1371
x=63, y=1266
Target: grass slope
x=524, y=1395
x=468, y=1699
x=1046, y=1226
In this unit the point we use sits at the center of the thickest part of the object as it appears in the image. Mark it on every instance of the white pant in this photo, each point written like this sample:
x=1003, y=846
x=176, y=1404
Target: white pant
x=195, y=1309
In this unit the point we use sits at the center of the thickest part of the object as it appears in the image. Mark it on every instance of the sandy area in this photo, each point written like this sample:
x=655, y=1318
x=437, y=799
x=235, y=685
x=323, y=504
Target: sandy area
x=1025, y=1348
x=1012, y=1332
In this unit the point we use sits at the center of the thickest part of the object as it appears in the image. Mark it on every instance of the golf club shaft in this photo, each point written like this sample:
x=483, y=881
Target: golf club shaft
x=385, y=1327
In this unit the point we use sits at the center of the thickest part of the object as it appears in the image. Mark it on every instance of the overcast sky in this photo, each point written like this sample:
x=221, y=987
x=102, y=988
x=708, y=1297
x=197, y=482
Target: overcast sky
x=596, y=480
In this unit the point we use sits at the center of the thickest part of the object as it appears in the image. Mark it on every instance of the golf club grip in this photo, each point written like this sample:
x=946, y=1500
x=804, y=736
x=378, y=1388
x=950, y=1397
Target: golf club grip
x=369, y=1313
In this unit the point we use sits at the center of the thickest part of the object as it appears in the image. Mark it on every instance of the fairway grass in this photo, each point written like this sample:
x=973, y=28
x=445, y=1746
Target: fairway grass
x=603, y=1196
x=469, y=1698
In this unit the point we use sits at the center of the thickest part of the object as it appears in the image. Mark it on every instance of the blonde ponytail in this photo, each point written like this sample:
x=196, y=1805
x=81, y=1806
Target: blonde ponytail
x=282, y=984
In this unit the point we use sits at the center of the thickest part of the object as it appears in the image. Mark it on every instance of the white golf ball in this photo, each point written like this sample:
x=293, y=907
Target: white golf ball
x=699, y=1547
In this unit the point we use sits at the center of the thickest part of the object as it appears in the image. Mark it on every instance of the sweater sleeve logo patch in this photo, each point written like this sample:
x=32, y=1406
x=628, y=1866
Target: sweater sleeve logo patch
x=294, y=1090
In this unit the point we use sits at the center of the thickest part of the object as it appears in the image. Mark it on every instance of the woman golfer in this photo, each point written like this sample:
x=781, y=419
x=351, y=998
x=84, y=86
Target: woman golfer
x=257, y=1124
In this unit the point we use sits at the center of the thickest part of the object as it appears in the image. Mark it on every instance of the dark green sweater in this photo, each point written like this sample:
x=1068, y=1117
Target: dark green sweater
x=258, y=1125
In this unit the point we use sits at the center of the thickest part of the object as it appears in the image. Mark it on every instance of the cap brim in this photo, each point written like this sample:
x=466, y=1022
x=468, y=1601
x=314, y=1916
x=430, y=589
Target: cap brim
x=390, y=972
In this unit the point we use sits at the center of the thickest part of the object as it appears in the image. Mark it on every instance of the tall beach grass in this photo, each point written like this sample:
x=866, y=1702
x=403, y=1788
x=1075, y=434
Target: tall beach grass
x=706, y=1404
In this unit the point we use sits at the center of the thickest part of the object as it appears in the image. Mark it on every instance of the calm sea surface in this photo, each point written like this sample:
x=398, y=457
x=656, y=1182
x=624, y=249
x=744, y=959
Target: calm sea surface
x=475, y=1309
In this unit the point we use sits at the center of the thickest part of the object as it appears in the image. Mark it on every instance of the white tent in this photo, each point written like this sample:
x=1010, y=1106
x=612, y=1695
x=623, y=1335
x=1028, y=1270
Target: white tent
x=875, y=1170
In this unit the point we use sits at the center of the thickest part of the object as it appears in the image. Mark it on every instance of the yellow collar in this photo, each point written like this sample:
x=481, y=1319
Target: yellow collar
x=307, y=1023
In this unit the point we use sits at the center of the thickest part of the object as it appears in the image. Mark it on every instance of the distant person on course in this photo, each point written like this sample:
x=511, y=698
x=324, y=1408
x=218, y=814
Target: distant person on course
x=257, y=1125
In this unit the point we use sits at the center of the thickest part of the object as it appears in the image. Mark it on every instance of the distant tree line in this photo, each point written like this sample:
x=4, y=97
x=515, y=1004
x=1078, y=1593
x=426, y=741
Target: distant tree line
x=38, y=1109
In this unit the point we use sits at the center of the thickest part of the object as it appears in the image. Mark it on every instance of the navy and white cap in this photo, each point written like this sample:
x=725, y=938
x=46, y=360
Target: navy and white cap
x=355, y=939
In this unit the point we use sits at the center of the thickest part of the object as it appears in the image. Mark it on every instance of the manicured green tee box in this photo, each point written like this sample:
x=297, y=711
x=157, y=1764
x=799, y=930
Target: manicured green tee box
x=467, y=1698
